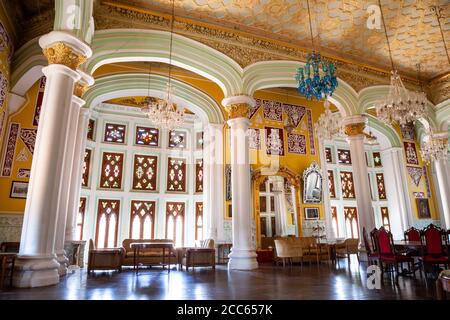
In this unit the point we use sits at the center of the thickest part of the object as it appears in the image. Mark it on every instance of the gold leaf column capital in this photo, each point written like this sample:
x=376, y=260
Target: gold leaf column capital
x=60, y=53
x=237, y=110
x=79, y=89
x=354, y=129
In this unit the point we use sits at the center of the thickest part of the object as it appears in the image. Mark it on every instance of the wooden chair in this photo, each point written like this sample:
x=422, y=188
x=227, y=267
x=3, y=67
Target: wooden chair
x=372, y=255
x=204, y=255
x=104, y=259
x=412, y=234
x=434, y=253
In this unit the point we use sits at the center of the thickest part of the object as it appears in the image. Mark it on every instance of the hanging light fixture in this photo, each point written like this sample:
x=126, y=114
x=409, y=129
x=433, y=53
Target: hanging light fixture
x=328, y=126
x=317, y=78
x=400, y=105
x=435, y=147
x=163, y=112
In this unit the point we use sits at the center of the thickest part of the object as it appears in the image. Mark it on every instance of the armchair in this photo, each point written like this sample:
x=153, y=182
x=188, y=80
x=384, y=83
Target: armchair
x=203, y=255
x=347, y=248
x=372, y=254
x=104, y=259
x=435, y=241
x=287, y=249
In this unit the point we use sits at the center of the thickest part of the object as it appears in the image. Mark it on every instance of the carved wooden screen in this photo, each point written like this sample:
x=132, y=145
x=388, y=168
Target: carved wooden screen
x=348, y=188
x=334, y=221
x=381, y=186
x=351, y=222
x=107, y=223
x=344, y=156
x=177, y=139
x=145, y=172
x=328, y=155
x=176, y=175
x=331, y=184
x=385, y=221
x=146, y=136
x=199, y=221
x=91, y=130
x=112, y=167
x=80, y=218
x=115, y=133
x=175, y=222
x=199, y=176
x=377, y=159
x=142, y=219
x=86, y=168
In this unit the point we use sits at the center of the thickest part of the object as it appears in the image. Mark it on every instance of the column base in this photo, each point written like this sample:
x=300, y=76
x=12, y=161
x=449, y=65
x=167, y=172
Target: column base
x=242, y=260
x=63, y=261
x=35, y=271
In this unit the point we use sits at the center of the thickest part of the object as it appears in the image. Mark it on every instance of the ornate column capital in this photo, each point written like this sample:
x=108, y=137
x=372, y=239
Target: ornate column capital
x=237, y=106
x=354, y=125
x=83, y=85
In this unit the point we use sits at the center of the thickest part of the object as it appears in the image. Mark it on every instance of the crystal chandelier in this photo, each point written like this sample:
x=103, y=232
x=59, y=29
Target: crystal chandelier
x=400, y=105
x=328, y=126
x=163, y=112
x=317, y=78
x=435, y=147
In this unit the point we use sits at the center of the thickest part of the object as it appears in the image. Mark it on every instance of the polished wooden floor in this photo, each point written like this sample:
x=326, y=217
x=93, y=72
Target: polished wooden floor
x=268, y=282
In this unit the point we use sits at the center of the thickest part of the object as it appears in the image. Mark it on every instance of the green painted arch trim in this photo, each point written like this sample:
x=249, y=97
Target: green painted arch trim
x=281, y=73
x=386, y=130
x=443, y=115
x=120, y=45
x=138, y=84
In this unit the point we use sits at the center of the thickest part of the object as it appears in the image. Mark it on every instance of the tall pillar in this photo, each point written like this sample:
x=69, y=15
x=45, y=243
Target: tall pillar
x=36, y=264
x=77, y=160
x=443, y=181
x=354, y=127
x=243, y=255
x=400, y=212
x=280, y=206
x=326, y=195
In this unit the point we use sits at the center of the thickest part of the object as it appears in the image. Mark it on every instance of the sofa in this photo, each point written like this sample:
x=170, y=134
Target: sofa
x=299, y=249
x=150, y=256
x=104, y=259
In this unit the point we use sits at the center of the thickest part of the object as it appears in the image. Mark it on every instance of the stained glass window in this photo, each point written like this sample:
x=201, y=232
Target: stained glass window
x=331, y=184
x=334, y=221
x=199, y=221
x=344, y=156
x=348, y=188
x=115, y=133
x=112, y=166
x=91, y=130
x=145, y=172
x=107, y=223
x=328, y=155
x=175, y=222
x=381, y=187
x=80, y=218
x=199, y=176
x=385, y=221
x=177, y=139
x=86, y=168
x=351, y=222
x=146, y=136
x=199, y=140
x=176, y=175
x=142, y=219
x=377, y=159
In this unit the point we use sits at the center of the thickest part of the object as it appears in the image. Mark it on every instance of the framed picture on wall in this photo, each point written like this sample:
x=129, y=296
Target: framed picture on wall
x=423, y=208
x=229, y=211
x=19, y=189
x=311, y=213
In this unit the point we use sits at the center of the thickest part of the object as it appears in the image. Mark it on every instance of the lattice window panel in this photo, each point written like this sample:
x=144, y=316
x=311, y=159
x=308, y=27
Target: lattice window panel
x=347, y=185
x=112, y=168
x=80, y=218
x=145, y=172
x=177, y=139
x=91, y=130
x=351, y=222
x=115, y=133
x=146, y=136
x=328, y=155
x=385, y=221
x=380, y=186
x=199, y=221
x=142, y=219
x=86, y=168
x=199, y=176
x=344, y=156
x=377, y=159
x=331, y=185
x=334, y=221
x=263, y=204
x=175, y=222
x=176, y=175
x=107, y=223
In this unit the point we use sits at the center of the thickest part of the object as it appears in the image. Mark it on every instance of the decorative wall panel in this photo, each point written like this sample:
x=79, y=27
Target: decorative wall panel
x=274, y=141
x=344, y=156
x=296, y=143
x=23, y=173
x=410, y=152
x=115, y=133
x=377, y=159
x=146, y=136
x=294, y=113
x=380, y=186
x=312, y=146
x=86, y=168
x=427, y=181
x=10, y=149
x=28, y=136
x=415, y=173
x=254, y=138
x=91, y=130
x=142, y=219
x=272, y=110
x=177, y=139
x=199, y=176
x=176, y=175
x=328, y=155
x=112, y=168
x=348, y=188
x=331, y=187
x=252, y=110
x=145, y=172
x=408, y=131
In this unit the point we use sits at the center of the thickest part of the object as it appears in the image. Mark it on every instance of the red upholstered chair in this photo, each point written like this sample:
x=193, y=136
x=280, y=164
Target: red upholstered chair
x=412, y=234
x=372, y=255
x=434, y=240
x=388, y=254
x=374, y=239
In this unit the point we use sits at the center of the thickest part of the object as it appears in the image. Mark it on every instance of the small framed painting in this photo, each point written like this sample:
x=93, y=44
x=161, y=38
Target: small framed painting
x=423, y=208
x=311, y=213
x=19, y=190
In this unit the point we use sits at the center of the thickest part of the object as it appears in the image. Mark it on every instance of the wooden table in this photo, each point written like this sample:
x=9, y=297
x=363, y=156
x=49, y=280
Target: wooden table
x=138, y=246
x=5, y=258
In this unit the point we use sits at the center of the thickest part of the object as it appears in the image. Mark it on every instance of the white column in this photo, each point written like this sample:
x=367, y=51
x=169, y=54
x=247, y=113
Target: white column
x=443, y=182
x=36, y=264
x=280, y=206
x=354, y=127
x=243, y=255
x=294, y=206
x=326, y=195
x=399, y=204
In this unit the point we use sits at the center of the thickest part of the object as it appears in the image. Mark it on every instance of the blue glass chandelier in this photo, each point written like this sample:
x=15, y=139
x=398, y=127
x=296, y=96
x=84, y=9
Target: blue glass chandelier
x=317, y=78
x=314, y=83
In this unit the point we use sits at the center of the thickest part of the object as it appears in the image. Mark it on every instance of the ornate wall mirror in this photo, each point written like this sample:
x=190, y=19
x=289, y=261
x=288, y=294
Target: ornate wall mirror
x=312, y=184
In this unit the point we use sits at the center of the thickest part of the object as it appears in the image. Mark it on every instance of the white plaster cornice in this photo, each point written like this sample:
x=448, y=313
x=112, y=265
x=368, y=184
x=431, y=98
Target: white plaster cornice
x=238, y=99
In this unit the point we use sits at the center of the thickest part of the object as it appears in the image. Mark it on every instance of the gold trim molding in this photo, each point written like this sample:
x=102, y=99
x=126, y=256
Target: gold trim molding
x=237, y=110
x=80, y=89
x=60, y=53
x=354, y=129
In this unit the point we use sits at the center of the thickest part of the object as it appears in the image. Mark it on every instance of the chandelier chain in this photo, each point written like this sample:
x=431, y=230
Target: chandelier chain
x=386, y=35
x=310, y=25
x=438, y=11
x=172, y=20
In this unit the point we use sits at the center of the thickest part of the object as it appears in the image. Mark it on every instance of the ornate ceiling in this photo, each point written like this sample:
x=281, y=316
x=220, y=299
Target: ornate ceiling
x=339, y=27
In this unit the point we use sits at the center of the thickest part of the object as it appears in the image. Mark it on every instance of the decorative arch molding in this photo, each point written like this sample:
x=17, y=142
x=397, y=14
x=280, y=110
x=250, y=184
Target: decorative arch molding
x=284, y=171
x=443, y=115
x=122, y=45
x=387, y=132
x=281, y=73
x=123, y=85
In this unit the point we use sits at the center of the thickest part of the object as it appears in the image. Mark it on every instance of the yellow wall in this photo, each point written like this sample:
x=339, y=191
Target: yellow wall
x=6, y=49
